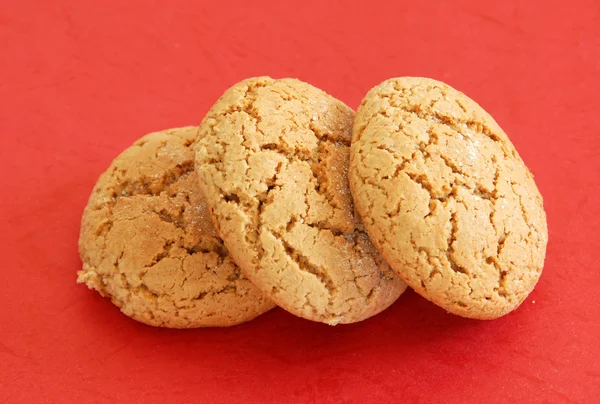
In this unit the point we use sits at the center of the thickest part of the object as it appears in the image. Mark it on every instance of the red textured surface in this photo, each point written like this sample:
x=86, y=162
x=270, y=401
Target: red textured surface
x=81, y=80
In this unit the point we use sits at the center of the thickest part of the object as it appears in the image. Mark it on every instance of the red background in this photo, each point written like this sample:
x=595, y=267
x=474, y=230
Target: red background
x=81, y=80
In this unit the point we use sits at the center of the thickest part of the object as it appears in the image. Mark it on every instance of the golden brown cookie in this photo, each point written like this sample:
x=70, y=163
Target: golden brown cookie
x=446, y=198
x=272, y=159
x=147, y=241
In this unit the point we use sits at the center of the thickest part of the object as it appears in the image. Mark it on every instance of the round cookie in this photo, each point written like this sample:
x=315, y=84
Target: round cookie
x=272, y=159
x=446, y=198
x=147, y=241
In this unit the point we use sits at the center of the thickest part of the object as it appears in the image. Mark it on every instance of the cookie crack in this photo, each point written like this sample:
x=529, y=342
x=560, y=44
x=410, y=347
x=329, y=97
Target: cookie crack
x=169, y=217
x=313, y=160
x=144, y=186
x=453, y=123
x=187, y=303
x=135, y=188
x=166, y=252
x=304, y=264
x=139, y=290
x=450, y=250
x=522, y=206
x=359, y=251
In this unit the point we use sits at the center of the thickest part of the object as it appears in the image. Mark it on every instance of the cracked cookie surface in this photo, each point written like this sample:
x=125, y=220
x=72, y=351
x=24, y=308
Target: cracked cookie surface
x=272, y=159
x=446, y=198
x=148, y=243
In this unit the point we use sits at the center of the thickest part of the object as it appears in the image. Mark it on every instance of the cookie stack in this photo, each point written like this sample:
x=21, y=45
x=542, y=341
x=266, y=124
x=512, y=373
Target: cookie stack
x=284, y=196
